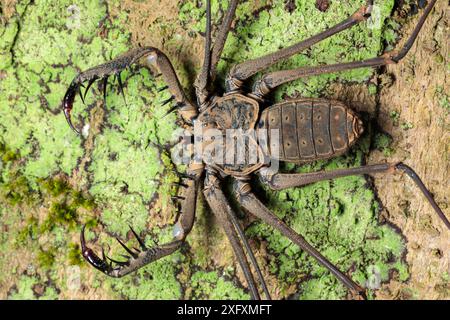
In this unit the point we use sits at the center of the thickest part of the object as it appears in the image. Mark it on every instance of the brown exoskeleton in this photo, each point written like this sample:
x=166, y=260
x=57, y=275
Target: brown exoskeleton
x=299, y=130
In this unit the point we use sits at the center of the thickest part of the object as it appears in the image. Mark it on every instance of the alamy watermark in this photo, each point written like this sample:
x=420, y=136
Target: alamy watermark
x=227, y=148
x=374, y=277
x=74, y=20
x=375, y=20
x=73, y=278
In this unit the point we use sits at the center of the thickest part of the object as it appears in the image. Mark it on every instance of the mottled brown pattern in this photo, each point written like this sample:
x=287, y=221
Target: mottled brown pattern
x=311, y=129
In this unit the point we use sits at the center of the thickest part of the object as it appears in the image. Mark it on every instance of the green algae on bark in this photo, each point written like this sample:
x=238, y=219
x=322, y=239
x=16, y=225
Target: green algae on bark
x=125, y=175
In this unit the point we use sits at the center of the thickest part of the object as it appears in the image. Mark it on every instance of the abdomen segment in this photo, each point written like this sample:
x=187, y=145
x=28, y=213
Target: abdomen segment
x=309, y=129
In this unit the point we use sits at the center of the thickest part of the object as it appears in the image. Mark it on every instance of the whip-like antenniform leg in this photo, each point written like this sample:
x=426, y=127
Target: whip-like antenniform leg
x=255, y=207
x=212, y=56
x=138, y=258
x=243, y=71
x=202, y=82
x=274, y=79
x=280, y=181
x=219, y=43
x=152, y=57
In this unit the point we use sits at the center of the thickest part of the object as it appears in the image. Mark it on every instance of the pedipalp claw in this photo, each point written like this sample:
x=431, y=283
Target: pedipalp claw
x=90, y=256
x=133, y=254
x=158, y=146
x=359, y=294
x=132, y=262
x=120, y=263
x=114, y=68
x=69, y=121
x=103, y=254
x=119, y=80
x=88, y=86
x=125, y=256
x=167, y=101
x=141, y=242
x=172, y=109
x=81, y=95
x=180, y=184
x=105, y=85
x=68, y=100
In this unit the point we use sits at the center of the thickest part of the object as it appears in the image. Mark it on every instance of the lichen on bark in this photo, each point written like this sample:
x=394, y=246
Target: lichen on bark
x=122, y=179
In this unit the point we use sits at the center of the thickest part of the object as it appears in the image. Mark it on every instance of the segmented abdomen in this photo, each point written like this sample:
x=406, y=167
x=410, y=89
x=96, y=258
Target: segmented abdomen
x=309, y=129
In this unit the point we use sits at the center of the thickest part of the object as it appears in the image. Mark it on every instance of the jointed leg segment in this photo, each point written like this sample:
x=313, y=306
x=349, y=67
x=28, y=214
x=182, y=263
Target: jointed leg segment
x=274, y=79
x=245, y=70
x=280, y=181
x=255, y=207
